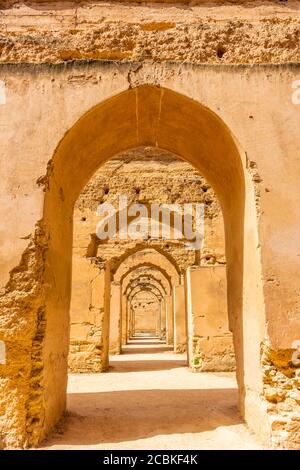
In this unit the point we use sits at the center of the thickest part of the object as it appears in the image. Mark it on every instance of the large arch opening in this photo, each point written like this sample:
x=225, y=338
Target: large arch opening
x=154, y=117
x=147, y=260
x=146, y=277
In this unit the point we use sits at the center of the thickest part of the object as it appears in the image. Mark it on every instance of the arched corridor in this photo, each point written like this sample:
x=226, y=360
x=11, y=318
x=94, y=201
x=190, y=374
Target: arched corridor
x=148, y=337
x=160, y=118
x=147, y=331
x=193, y=295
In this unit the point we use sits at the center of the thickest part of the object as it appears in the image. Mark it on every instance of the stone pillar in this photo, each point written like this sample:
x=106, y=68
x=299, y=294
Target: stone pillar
x=180, y=323
x=132, y=316
x=162, y=320
x=169, y=319
x=115, y=319
x=210, y=341
x=89, y=317
x=106, y=278
x=124, y=320
x=130, y=320
x=158, y=321
x=189, y=315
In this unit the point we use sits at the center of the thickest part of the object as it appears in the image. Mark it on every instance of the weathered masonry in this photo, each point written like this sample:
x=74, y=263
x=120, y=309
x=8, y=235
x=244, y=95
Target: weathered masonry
x=84, y=85
x=153, y=267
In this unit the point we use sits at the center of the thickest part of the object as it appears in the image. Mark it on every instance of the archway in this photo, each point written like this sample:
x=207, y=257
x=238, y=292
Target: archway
x=132, y=261
x=144, y=304
x=146, y=276
x=147, y=116
x=140, y=279
x=149, y=258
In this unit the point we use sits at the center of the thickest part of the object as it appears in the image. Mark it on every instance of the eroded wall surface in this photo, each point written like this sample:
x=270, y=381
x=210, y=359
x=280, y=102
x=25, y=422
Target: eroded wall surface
x=147, y=176
x=244, y=32
x=211, y=346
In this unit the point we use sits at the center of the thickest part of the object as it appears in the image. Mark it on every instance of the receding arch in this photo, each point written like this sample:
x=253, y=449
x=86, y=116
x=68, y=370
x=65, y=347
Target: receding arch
x=131, y=280
x=151, y=273
x=139, y=280
x=149, y=116
x=146, y=296
x=95, y=243
x=142, y=247
x=147, y=267
x=144, y=265
x=150, y=288
x=145, y=284
x=144, y=257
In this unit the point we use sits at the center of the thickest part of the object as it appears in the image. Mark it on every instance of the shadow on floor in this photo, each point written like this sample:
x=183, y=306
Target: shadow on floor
x=149, y=350
x=120, y=416
x=142, y=365
x=146, y=343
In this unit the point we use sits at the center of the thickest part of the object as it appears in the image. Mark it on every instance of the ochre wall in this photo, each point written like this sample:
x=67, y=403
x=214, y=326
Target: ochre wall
x=210, y=32
x=212, y=347
x=145, y=310
x=147, y=176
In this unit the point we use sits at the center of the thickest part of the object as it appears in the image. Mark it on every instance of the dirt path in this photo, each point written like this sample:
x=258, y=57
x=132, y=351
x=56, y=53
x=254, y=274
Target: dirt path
x=150, y=400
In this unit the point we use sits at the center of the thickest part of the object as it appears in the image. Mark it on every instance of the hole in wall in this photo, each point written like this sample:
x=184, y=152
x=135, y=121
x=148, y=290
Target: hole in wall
x=221, y=51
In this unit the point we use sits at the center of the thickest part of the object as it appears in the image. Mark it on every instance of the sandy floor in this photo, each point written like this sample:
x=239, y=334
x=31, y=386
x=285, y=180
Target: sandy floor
x=150, y=400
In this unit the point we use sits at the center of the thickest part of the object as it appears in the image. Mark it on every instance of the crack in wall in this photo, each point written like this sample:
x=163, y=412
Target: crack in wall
x=23, y=327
